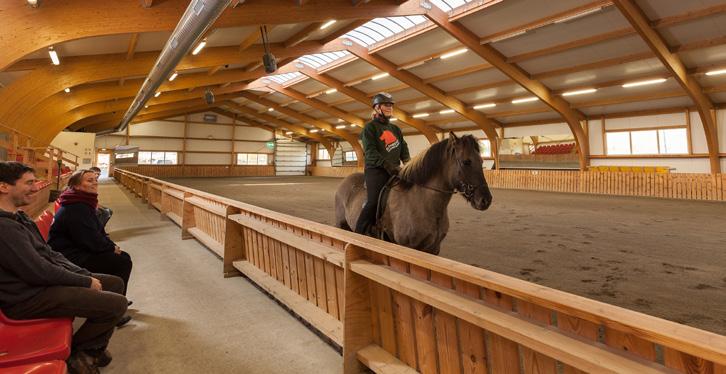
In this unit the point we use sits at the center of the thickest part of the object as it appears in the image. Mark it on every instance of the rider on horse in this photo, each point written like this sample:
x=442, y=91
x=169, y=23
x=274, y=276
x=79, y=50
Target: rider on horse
x=384, y=149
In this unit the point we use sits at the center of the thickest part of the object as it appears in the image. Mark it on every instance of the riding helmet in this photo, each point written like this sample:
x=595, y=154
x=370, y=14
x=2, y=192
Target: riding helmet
x=382, y=97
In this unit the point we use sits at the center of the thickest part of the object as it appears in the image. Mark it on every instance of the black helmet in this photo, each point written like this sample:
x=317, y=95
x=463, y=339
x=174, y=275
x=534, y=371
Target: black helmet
x=382, y=97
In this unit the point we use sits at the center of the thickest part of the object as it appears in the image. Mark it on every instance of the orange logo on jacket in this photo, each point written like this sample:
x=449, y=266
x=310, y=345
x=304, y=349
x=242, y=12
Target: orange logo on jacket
x=390, y=140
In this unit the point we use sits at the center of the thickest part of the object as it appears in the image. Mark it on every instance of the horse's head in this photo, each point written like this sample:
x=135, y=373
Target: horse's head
x=466, y=174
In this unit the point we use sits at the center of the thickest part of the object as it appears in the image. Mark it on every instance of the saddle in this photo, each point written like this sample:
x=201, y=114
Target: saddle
x=377, y=229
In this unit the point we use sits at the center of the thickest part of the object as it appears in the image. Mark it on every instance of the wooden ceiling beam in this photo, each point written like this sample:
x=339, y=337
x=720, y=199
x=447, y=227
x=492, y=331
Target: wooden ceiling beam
x=486, y=124
x=675, y=66
x=363, y=98
x=573, y=118
x=163, y=16
x=132, y=46
x=265, y=118
x=351, y=138
x=302, y=35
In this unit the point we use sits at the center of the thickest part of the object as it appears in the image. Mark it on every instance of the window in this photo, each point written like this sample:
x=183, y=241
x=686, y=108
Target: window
x=251, y=159
x=485, y=147
x=350, y=156
x=648, y=142
x=124, y=155
x=157, y=158
x=323, y=154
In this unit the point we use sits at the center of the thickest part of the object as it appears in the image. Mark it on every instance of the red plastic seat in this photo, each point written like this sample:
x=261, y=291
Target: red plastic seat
x=43, y=222
x=56, y=206
x=50, y=367
x=31, y=341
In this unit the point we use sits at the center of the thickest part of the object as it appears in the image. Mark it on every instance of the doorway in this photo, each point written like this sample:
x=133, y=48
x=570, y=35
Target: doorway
x=103, y=161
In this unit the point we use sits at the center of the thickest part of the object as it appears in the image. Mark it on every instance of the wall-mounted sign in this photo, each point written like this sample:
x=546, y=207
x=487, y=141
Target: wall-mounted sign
x=210, y=117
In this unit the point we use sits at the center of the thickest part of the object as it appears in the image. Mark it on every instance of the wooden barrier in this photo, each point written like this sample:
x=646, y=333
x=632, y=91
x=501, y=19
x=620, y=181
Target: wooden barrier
x=170, y=171
x=670, y=186
x=337, y=171
x=397, y=310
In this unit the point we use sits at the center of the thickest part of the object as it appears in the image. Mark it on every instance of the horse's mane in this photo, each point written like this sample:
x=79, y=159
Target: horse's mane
x=428, y=163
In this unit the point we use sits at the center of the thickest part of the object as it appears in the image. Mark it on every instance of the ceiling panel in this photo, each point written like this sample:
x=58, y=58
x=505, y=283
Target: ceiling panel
x=513, y=13
x=151, y=41
x=421, y=45
x=655, y=9
x=352, y=70
x=702, y=29
x=451, y=64
x=309, y=86
x=89, y=46
x=229, y=36
x=532, y=117
x=378, y=84
x=637, y=106
x=471, y=80
x=421, y=106
x=719, y=97
x=352, y=106
x=705, y=56
x=651, y=66
x=6, y=78
x=488, y=94
x=617, y=92
x=280, y=33
x=592, y=53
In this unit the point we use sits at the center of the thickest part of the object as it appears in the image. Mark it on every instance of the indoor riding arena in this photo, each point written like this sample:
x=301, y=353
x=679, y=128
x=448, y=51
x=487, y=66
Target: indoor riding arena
x=555, y=200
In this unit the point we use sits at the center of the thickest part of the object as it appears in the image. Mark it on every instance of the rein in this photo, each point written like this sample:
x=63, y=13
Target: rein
x=467, y=190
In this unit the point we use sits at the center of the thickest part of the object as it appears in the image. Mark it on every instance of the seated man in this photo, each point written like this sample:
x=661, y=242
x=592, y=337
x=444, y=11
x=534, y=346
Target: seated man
x=37, y=282
x=104, y=213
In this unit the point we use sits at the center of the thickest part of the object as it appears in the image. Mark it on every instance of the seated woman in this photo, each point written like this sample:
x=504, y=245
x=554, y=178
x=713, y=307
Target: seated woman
x=78, y=234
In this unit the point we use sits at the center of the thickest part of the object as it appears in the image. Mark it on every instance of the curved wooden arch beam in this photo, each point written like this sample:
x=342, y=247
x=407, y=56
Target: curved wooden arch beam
x=573, y=117
x=483, y=122
x=657, y=44
x=280, y=123
x=349, y=137
x=361, y=97
x=25, y=93
x=27, y=29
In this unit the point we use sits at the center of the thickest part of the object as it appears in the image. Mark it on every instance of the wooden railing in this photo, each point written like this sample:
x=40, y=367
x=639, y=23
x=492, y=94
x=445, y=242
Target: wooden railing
x=671, y=186
x=394, y=309
x=169, y=171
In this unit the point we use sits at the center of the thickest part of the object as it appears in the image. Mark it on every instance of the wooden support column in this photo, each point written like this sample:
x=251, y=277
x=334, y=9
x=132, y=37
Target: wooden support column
x=233, y=156
x=184, y=145
x=187, y=218
x=128, y=133
x=688, y=131
x=356, y=314
x=234, y=244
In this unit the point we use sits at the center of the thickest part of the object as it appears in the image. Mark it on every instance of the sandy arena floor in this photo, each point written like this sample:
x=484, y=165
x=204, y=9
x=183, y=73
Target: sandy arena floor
x=666, y=258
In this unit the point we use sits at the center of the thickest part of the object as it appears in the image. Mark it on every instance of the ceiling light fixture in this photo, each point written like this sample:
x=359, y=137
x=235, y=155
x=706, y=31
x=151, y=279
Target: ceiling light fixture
x=67, y=90
x=288, y=133
x=157, y=94
x=507, y=36
x=525, y=100
x=199, y=47
x=53, y=56
x=379, y=76
x=578, y=15
x=644, y=83
x=579, y=92
x=173, y=76
x=420, y=115
x=716, y=72
x=330, y=91
x=270, y=109
x=327, y=24
x=453, y=53
x=393, y=119
x=313, y=131
x=446, y=111
x=146, y=107
x=340, y=127
x=33, y=3
x=482, y=106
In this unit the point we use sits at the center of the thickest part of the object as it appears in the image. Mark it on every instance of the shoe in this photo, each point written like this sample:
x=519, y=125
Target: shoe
x=81, y=363
x=124, y=320
x=101, y=357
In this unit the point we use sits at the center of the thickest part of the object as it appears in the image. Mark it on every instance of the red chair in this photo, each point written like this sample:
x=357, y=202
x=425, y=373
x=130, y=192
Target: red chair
x=43, y=222
x=31, y=341
x=50, y=367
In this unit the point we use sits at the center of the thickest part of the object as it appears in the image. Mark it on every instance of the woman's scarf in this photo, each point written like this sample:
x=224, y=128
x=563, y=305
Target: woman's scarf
x=73, y=196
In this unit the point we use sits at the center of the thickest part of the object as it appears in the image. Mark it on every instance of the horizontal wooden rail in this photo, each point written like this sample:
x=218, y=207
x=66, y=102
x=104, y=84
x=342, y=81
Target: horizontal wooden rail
x=579, y=354
x=394, y=309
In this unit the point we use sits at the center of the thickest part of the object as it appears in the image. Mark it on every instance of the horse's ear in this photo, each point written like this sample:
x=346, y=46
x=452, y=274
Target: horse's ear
x=453, y=136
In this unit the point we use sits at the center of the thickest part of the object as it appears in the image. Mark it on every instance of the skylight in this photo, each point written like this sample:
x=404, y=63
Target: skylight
x=379, y=29
x=283, y=78
x=321, y=59
x=448, y=5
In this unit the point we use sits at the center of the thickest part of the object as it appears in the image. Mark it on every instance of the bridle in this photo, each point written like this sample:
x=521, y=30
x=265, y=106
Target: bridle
x=465, y=189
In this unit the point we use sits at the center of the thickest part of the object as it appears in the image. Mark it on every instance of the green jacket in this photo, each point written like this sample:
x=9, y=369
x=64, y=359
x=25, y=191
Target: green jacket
x=383, y=143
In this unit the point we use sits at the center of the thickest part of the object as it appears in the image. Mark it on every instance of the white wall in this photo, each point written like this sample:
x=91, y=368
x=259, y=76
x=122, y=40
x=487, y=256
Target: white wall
x=79, y=143
x=247, y=139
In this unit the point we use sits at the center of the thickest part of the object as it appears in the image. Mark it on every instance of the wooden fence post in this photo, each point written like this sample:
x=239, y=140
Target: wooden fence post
x=187, y=217
x=164, y=203
x=234, y=244
x=356, y=313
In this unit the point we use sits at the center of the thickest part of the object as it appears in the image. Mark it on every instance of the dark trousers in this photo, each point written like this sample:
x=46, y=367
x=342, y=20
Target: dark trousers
x=109, y=263
x=376, y=179
x=102, y=309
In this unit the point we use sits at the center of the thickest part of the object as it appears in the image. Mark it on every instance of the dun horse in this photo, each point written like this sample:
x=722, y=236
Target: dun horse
x=416, y=211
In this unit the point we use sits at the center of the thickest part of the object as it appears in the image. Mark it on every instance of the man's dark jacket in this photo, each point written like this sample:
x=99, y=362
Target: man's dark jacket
x=28, y=265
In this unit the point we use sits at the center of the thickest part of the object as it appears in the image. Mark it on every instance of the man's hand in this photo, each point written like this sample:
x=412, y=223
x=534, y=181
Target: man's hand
x=117, y=250
x=96, y=284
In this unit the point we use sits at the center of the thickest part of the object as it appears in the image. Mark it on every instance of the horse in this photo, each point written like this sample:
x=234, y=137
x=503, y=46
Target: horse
x=415, y=215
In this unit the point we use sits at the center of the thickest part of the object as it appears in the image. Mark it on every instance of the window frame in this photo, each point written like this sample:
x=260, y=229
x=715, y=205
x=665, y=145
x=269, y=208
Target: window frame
x=257, y=154
x=658, y=130
x=151, y=157
x=326, y=152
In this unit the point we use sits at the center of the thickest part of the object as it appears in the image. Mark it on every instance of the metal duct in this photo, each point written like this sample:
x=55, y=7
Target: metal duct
x=198, y=17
